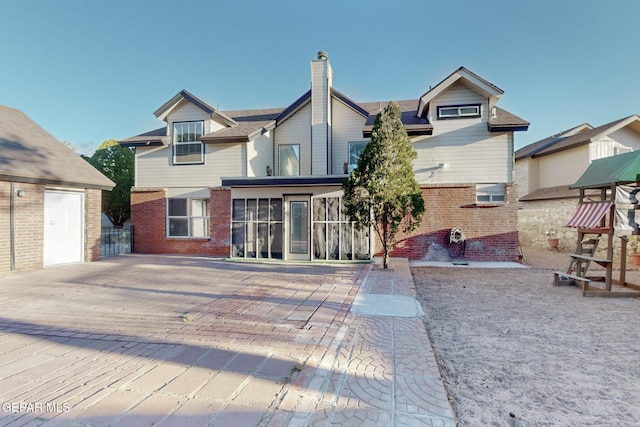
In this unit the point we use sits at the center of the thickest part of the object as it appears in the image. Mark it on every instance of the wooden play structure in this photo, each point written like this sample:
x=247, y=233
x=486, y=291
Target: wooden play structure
x=609, y=192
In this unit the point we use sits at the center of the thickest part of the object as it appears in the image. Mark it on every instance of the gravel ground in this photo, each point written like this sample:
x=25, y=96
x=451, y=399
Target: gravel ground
x=516, y=351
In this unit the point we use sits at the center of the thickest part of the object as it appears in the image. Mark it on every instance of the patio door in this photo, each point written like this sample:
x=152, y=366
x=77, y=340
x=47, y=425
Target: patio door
x=298, y=227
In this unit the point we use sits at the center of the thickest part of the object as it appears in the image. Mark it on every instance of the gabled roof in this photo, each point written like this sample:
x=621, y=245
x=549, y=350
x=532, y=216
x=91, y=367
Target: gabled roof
x=28, y=153
x=469, y=79
x=306, y=98
x=413, y=124
x=620, y=169
x=249, y=124
x=503, y=121
x=566, y=141
x=534, y=148
x=155, y=137
x=184, y=96
x=245, y=124
x=295, y=106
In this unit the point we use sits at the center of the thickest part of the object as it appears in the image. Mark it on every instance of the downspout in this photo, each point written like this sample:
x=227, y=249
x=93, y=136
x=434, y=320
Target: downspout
x=12, y=248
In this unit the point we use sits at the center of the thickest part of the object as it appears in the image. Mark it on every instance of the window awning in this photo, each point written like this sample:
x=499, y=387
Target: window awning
x=589, y=215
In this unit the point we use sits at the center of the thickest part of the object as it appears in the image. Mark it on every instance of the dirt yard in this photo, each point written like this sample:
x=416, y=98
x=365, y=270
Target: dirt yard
x=516, y=351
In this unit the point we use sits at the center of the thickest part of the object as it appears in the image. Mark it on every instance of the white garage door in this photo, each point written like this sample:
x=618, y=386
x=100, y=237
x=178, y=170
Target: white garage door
x=63, y=227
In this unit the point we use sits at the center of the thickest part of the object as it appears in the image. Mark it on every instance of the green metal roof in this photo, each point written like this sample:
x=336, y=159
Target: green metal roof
x=620, y=169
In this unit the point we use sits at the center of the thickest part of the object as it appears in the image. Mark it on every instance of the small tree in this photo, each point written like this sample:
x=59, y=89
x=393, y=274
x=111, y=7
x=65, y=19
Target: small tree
x=115, y=162
x=382, y=191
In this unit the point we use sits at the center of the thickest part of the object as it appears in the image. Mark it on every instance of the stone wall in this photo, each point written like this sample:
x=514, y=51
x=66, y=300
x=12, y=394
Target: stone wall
x=534, y=218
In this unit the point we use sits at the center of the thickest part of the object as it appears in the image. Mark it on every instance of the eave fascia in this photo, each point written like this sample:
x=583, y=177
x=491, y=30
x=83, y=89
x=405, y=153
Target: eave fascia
x=227, y=139
x=507, y=128
x=56, y=182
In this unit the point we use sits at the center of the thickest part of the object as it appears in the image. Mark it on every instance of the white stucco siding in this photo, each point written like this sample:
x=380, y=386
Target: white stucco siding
x=562, y=168
x=347, y=126
x=296, y=130
x=154, y=166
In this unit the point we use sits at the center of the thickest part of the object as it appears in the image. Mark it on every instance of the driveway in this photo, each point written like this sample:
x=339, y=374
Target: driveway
x=132, y=340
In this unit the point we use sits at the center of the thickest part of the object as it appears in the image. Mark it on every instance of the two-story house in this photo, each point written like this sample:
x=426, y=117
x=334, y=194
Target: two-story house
x=267, y=183
x=545, y=169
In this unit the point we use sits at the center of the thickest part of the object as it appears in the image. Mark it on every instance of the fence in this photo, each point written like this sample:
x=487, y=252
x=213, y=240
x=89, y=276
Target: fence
x=116, y=240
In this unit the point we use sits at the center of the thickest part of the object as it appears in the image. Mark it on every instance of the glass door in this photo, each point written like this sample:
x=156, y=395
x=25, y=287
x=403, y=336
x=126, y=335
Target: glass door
x=297, y=222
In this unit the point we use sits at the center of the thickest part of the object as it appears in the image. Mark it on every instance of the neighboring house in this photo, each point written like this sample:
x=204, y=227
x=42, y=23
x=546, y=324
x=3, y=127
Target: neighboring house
x=267, y=183
x=546, y=169
x=49, y=198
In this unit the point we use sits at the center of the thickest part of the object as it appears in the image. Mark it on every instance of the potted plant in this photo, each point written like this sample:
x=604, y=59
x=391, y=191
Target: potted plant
x=552, y=239
x=635, y=256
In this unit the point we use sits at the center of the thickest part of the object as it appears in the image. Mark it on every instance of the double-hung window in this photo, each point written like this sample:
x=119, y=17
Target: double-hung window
x=458, y=111
x=187, y=147
x=187, y=217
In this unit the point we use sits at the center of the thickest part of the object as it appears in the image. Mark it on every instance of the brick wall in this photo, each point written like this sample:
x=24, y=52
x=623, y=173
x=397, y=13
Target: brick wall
x=148, y=217
x=491, y=232
x=5, y=248
x=93, y=224
x=28, y=226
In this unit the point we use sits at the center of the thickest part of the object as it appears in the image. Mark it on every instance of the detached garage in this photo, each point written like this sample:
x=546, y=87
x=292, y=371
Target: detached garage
x=50, y=198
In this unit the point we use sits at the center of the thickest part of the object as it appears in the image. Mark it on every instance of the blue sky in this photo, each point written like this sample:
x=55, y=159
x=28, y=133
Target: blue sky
x=87, y=71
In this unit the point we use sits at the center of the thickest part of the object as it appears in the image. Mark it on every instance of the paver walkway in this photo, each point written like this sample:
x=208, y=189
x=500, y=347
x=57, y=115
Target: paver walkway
x=386, y=373
x=174, y=340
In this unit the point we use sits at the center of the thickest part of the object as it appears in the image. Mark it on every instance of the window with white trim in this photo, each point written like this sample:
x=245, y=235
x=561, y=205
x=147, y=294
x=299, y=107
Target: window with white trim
x=490, y=193
x=620, y=149
x=187, y=147
x=187, y=217
x=458, y=111
x=356, y=148
x=289, y=160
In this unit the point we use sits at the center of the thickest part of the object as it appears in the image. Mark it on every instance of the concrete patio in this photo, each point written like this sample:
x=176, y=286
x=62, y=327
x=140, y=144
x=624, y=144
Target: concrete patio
x=192, y=341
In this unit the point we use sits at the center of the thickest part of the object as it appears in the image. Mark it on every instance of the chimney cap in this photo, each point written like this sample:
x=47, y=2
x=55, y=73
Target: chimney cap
x=322, y=55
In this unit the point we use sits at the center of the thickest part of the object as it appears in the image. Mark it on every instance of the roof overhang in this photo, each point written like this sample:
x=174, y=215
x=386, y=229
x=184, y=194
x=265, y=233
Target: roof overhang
x=143, y=143
x=279, y=181
x=507, y=128
x=229, y=139
x=182, y=98
x=411, y=130
x=56, y=182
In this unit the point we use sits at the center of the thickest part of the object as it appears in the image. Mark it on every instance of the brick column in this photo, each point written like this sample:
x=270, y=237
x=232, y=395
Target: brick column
x=93, y=224
x=148, y=218
x=220, y=221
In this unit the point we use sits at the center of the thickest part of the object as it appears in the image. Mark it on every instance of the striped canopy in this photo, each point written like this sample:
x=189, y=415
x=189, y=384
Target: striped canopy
x=589, y=215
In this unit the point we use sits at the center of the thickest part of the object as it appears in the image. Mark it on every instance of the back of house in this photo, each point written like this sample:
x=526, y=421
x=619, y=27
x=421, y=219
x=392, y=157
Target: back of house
x=267, y=183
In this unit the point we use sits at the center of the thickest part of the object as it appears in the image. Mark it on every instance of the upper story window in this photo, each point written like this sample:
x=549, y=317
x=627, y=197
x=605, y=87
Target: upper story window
x=458, y=111
x=621, y=150
x=490, y=193
x=187, y=147
x=356, y=149
x=289, y=160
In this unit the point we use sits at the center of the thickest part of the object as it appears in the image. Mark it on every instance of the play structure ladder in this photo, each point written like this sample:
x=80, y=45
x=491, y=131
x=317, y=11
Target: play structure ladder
x=579, y=261
x=586, y=248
